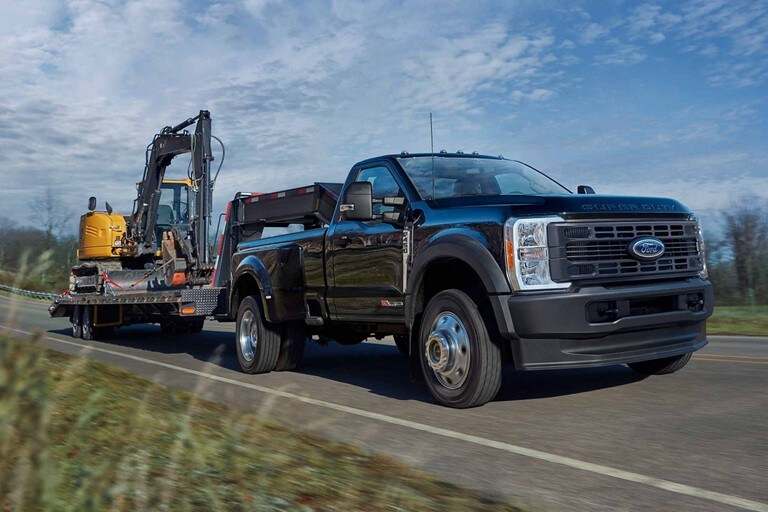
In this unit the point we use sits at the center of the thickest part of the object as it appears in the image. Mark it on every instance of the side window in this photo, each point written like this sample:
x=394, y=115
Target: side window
x=383, y=185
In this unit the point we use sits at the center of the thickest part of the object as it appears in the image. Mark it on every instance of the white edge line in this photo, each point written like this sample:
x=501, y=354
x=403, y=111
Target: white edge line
x=599, y=469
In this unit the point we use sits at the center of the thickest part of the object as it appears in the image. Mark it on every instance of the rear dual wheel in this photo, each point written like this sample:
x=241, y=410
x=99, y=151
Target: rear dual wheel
x=258, y=341
x=293, y=338
x=263, y=346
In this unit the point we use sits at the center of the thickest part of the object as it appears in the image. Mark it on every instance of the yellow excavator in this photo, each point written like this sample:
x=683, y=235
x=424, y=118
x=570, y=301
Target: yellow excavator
x=165, y=241
x=154, y=265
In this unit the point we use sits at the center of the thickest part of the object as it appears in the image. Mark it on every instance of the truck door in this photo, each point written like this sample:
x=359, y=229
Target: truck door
x=366, y=258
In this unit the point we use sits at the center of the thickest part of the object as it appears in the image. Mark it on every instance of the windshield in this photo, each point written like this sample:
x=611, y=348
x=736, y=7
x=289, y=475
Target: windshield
x=460, y=177
x=173, y=207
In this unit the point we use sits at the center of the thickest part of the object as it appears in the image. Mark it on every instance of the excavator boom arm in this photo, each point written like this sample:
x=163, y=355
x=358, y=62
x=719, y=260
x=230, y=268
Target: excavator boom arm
x=166, y=145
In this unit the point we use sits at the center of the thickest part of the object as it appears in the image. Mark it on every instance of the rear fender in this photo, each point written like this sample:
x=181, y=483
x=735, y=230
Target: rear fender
x=279, y=275
x=251, y=267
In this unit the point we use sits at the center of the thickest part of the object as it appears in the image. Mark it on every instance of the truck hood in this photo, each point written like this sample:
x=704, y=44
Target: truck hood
x=572, y=205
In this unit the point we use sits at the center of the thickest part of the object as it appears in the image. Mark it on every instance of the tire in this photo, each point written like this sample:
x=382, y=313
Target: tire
x=77, y=322
x=402, y=341
x=661, y=366
x=292, y=342
x=460, y=362
x=88, y=329
x=257, y=342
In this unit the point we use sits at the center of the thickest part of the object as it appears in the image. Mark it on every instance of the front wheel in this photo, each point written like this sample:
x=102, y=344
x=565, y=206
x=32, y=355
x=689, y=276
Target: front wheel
x=460, y=362
x=258, y=342
x=661, y=366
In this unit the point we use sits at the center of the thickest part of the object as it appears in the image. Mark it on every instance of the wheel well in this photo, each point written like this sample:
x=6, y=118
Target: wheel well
x=245, y=286
x=452, y=273
x=445, y=274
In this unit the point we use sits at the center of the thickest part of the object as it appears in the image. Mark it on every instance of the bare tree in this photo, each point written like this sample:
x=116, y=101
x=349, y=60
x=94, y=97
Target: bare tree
x=51, y=217
x=747, y=231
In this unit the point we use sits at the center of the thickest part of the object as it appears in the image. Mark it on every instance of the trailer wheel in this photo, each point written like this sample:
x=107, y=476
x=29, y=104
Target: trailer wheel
x=258, y=342
x=460, y=362
x=661, y=366
x=292, y=342
x=88, y=329
x=77, y=322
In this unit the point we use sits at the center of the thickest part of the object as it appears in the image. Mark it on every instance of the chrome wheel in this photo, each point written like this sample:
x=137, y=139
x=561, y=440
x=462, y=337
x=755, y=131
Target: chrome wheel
x=249, y=335
x=447, y=350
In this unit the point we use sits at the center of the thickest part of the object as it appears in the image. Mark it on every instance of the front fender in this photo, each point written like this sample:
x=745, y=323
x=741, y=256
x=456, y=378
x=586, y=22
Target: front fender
x=465, y=248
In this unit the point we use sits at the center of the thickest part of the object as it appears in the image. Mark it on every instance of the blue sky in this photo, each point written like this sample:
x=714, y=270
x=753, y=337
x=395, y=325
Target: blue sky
x=659, y=98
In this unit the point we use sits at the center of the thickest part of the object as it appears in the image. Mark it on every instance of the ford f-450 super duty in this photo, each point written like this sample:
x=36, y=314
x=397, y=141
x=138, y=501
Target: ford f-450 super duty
x=470, y=262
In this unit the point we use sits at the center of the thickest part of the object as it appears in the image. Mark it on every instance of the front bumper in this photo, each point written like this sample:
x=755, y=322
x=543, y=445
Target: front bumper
x=597, y=326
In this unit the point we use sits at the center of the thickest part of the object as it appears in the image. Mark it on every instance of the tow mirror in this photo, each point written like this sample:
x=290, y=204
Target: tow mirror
x=585, y=189
x=91, y=203
x=393, y=201
x=392, y=217
x=358, y=201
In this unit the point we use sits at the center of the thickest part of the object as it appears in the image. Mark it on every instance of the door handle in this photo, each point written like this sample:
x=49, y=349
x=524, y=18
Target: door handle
x=343, y=241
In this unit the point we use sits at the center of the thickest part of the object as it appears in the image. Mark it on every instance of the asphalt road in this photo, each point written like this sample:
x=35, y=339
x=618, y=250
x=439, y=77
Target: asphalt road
x=576, y=440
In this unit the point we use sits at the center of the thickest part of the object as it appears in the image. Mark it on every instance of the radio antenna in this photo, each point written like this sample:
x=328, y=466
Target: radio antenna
x=432, y=150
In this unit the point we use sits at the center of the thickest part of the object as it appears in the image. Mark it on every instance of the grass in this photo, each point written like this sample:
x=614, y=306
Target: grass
x=747, y=320
x=78, y=435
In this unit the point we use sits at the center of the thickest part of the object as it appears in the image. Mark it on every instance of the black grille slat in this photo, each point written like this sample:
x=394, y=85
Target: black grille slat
x=617, y=249
x=593, y=250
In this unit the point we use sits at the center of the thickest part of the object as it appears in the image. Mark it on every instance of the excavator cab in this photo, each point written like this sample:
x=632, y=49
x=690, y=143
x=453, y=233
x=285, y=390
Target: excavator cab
x=176, y=201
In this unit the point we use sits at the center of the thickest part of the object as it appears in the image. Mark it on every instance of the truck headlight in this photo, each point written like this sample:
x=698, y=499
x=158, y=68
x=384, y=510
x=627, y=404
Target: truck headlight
x=703, y=273
x=527, y=254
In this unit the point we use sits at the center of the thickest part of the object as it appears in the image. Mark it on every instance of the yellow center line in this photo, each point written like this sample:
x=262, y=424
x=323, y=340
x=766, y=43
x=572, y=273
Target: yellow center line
x=728, y=355
x=735, y=361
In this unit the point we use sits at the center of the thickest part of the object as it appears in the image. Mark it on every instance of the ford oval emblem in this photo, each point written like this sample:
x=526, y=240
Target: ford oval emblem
x=646, y=248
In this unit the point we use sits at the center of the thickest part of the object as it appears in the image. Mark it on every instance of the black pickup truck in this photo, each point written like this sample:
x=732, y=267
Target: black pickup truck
x=470, y=262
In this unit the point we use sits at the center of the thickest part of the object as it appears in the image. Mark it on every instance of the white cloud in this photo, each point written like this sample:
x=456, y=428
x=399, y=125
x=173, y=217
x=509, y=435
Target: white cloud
x=591, y=32
x=621, y=54
x=300, y=91
x=535, y=94
x=296, y=91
